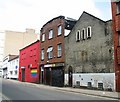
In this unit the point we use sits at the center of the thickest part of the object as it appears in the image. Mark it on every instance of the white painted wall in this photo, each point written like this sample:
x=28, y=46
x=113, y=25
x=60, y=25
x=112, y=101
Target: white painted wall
x=13, y=67
x=108, y=79
x=5, y=67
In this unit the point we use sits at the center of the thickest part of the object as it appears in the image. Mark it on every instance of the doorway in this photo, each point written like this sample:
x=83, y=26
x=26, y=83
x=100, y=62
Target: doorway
x=48, y=76
x=70, y=76
x=57, y=77
x=23, y=75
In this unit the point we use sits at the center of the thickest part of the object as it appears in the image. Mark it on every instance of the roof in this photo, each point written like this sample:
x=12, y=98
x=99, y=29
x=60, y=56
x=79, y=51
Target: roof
x=92, y=16
x=61, y=17
x=14, y=57
x=9, y=57
x=30, y=44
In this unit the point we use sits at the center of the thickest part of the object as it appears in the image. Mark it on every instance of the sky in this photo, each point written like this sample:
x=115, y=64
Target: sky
x=17, y=15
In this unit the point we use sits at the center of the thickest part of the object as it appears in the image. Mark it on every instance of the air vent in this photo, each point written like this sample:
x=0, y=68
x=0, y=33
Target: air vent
x=77, y=83
x=89, y=85
x=100, y=86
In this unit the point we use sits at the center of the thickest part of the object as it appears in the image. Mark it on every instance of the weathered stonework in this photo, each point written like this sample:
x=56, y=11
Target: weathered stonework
x=92, y=55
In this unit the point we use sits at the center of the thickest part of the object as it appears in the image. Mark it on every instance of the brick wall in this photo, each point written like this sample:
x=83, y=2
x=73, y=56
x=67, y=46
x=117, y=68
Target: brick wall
x=54, y=41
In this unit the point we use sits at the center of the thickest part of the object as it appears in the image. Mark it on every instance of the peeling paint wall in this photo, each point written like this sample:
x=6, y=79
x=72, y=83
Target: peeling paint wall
x=108, y=80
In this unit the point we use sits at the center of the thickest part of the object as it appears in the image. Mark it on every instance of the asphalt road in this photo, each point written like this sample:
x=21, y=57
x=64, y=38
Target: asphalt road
x=20, y=91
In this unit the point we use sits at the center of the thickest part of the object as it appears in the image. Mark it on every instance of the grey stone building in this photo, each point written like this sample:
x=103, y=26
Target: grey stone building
x=89, y=46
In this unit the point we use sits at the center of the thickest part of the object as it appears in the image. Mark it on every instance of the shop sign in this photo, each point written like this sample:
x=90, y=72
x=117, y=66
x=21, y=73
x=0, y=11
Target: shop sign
x=48, y=65
x=23, y=67
x=54, y=65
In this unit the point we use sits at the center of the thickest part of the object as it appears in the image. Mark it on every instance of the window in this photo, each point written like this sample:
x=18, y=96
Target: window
x=118, y=7
x=59, y=50
x=83, y=34
x=15, y=72
x=17, y=61
x=59, y=30
x=78, y=35
x=89, y=32
x=49, y=52
x=50, y=34
x=11, y=72
x=42, y=54
x=43, y=37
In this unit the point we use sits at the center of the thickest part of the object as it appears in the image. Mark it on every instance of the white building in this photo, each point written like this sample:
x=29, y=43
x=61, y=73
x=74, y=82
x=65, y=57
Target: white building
x=5, y=65
x=13, y=68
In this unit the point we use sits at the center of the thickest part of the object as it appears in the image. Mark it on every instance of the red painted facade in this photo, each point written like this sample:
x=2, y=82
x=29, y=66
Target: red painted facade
x=29, y=63
x=116, y=31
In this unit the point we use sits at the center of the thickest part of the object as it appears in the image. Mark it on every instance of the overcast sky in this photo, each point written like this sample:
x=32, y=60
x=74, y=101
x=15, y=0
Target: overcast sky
x=17, y=15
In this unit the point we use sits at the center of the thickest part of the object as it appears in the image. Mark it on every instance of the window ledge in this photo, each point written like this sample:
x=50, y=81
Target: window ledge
x=118, y=14
x=59, y=56
x=50, y=38
x=59, y=35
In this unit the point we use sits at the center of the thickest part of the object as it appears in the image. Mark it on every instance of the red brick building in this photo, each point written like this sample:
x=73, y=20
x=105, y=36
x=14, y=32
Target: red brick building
x=116, y=35
x=29, y=63
x=52, y=50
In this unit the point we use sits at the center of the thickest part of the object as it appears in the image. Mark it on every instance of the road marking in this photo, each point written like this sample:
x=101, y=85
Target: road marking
x=3, y=97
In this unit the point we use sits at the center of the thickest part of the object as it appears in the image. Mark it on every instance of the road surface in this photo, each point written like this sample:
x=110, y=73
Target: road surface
x=14, y=90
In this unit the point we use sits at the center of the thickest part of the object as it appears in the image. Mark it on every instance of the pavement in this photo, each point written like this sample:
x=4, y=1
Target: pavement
x=107, y=94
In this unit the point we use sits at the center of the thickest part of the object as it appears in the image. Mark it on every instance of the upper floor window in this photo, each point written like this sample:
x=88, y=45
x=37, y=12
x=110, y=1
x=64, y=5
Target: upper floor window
x=42, y=54
x=78, y=35
x=118, y=7
x=43, y=37
x=83, y=34
x=59, y=30
x=51, y=34
x=88, y=32
x=50, y=52
x=59, y=50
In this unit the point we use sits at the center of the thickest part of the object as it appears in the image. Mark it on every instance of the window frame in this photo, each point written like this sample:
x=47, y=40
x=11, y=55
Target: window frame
x=11, y=72
x=59, y=50
x=42, y=54
x=83, y=37
x=59, y=30
x=50, y=33
x=50, y=53
x=78, y=35
x=118, y=7
x=15, y=72
x=43, y=37
x=89, y=36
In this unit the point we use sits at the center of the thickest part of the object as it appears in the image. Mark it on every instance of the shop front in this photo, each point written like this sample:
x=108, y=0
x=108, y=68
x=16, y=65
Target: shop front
x=54, y=74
